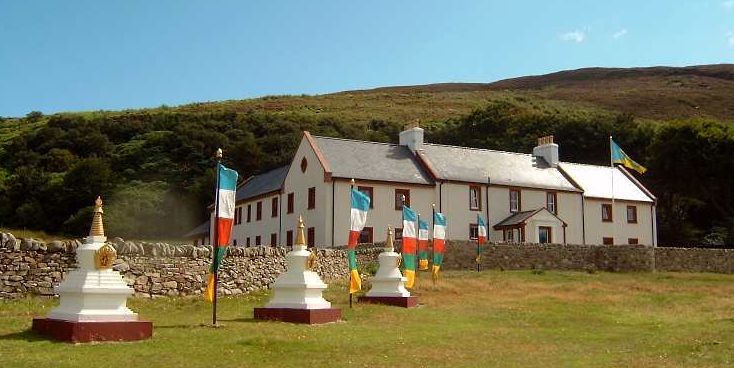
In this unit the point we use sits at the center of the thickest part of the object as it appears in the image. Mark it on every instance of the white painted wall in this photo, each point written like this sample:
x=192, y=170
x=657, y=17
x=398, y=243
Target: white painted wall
x=384, y=212
x=298, y=182
x=620, y=230
x=544, y=218
x=264, y=228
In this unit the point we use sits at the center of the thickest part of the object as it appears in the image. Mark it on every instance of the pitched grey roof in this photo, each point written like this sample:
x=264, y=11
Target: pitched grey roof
x=202, y=229
x=262, y=183
x=597, y=182
x=520, y=217
x=504, y=168
x=516, y=218
x=371, y=161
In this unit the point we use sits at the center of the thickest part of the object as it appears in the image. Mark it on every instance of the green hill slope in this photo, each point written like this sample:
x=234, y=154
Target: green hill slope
x=155, y=168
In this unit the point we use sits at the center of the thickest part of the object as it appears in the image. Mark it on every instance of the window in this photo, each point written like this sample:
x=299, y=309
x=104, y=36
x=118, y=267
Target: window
x=257, y=240
x=515, y=200
x=248, y=241
x=633, y=241
x=365, y=236
x=273, y=239
x=606, y=212
x=239, y=215
x=311, y=198
x=290, y=202
x=402, y=195
x=551, y=202
x=304, y=165
x=249, y=212
x=234, y=242
x=473, y=231
x=475, y=198
x=369, y=192
x=607, y=241
x=289, y=238
x=398, y=233
x=632, y=215
x=236, y=217
x=311, y=237
x=545, y=235
x=274, y=210
x=259, y=211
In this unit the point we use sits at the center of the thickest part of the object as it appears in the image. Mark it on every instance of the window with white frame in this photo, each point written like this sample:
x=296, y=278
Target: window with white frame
x=514, y=200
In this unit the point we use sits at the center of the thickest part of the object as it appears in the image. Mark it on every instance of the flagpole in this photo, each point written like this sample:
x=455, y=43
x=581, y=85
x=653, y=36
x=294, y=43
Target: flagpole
x=216, y=238
x=433, y=242
x=350, y=274
x=402, y=234
x=611, y=163
x=477, y=259
x=417, y=245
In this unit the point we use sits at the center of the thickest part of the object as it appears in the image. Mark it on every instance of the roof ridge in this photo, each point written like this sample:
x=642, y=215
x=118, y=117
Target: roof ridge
x=582, y=164
x=354, y=140
x=478, y=149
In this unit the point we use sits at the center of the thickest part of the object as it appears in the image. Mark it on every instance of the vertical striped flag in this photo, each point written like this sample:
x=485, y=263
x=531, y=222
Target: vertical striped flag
x=422, y=244
x=481, y=230
x=225, y=201
x=360, y=206
x=481, y=238
x=409, y=243
x=439, y=236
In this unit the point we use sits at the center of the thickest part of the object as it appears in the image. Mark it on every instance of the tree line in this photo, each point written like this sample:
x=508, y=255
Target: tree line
x=156, y=171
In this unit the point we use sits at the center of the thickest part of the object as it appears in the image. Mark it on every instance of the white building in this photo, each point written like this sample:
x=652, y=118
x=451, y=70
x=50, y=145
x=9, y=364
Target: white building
x=528, y=198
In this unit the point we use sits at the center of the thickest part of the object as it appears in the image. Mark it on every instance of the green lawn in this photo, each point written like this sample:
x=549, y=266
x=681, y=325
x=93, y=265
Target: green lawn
x=511, y=318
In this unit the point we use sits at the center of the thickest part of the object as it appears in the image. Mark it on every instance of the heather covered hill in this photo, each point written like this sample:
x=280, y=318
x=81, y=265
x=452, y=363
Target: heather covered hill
x=661, y=93
x=657, y=93
x=155, y=167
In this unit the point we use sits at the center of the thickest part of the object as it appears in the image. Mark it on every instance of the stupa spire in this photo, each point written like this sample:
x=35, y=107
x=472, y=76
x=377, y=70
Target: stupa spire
x=389, y=243
x=300, y=236
x=97, y=228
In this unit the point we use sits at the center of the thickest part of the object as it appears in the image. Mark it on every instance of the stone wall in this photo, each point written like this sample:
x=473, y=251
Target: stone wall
x=617, y=258
x=32, y=267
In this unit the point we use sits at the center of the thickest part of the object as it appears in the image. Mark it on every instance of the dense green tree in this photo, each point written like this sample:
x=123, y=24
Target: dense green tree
x=153, y=163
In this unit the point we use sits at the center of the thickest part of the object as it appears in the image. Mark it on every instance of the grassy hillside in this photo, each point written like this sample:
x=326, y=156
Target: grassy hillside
x=156, y=163
x=663, y=93
x=656, y=93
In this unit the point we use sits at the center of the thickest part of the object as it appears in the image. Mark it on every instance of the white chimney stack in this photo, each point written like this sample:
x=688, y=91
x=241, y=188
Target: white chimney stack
x=412, y=137
x=547, y=150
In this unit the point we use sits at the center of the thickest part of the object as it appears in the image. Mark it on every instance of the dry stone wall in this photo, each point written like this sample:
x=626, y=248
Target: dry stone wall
x=33, y=267
x=616, y=258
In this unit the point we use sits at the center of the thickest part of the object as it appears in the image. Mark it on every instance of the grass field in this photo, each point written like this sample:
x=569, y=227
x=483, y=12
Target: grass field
x=494, y=318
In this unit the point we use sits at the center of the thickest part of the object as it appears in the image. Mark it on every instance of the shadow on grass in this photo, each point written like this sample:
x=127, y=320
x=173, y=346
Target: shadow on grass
x=243, y=320
x=27, y=335
x=207, y=325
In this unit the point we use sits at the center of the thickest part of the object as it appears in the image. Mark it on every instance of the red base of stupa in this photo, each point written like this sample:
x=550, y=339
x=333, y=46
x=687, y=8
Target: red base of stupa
x=308, y=316
x=398, y=301
x=70, y=331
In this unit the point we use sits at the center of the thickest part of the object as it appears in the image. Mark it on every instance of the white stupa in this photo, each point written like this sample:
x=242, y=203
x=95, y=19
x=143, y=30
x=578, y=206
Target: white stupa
x=388, y=284
x=94, y=295
x=297, y=293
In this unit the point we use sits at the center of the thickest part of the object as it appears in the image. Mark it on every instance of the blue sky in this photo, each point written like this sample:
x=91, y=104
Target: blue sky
x=91, y=55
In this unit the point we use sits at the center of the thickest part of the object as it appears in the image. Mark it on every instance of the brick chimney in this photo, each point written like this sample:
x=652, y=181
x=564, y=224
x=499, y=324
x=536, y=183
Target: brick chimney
x=547, y=150
x=412, y=137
